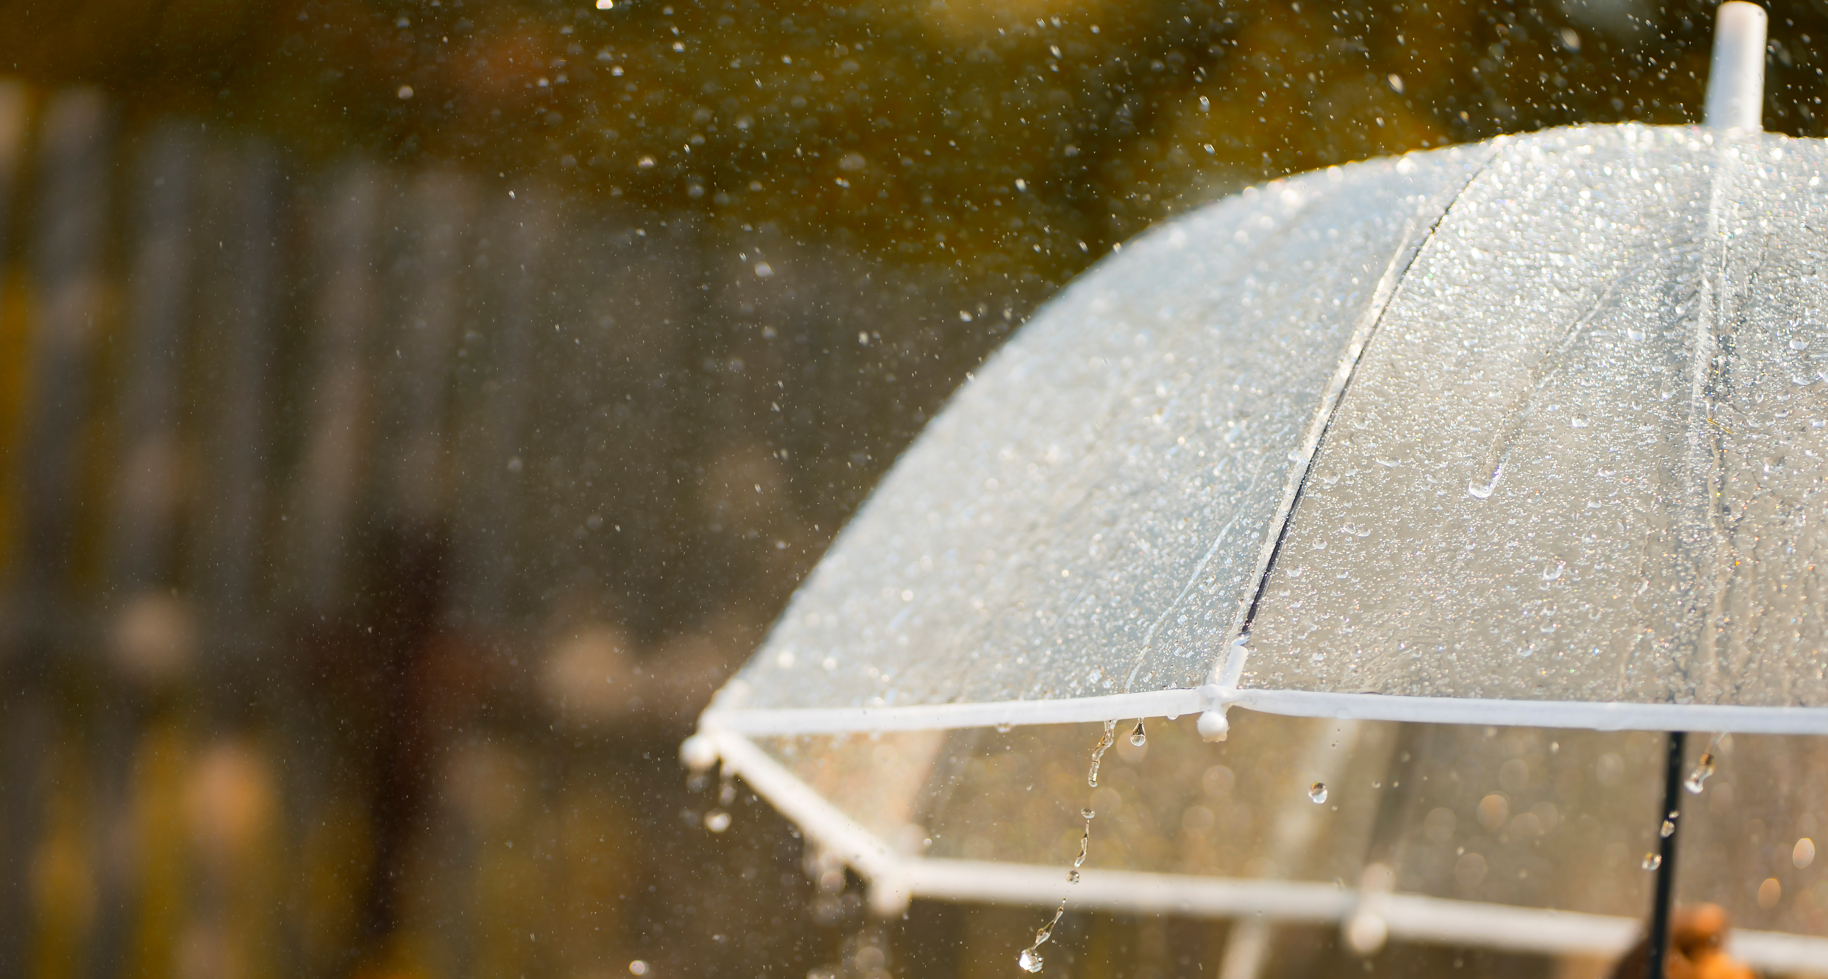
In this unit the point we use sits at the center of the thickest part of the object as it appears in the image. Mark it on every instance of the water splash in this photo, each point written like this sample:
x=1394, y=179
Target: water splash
x=1318, y=792
x=1030, y=959
x=1139, y=737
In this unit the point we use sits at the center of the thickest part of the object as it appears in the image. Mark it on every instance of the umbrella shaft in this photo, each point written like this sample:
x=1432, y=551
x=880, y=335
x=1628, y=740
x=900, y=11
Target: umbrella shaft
x=1666, y=867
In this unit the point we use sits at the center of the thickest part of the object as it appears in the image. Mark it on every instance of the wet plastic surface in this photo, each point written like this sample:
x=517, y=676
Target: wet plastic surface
x=1087, y=515
x=1579, y=460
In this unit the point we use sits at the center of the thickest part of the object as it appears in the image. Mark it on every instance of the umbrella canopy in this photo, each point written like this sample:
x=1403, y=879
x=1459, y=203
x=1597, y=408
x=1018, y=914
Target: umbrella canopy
x=1527, y=433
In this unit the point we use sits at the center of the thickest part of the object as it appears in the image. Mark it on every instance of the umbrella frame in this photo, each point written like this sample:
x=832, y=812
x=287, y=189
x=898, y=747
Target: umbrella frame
x=894, y=879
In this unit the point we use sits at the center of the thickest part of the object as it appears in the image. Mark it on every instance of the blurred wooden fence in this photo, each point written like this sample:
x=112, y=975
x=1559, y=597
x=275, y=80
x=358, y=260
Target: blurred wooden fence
x=369, y=537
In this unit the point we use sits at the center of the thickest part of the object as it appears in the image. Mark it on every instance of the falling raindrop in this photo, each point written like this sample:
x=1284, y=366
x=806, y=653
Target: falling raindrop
x=717, y=820
x=1030, y=959
x=1139, y=737
x=726, y=788
x=1318, y=792
x=1652, y=861
x=1104, y=744
x=1087, y=813
x=1703, y=769
x=1085, y=843
x=1668, y=828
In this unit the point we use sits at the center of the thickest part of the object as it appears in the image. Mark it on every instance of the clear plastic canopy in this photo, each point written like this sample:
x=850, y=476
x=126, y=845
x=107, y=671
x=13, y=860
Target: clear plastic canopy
x=1528, y=433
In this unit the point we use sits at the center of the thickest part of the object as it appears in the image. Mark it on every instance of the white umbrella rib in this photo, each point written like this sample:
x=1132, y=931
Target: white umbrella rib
x=1228, y=669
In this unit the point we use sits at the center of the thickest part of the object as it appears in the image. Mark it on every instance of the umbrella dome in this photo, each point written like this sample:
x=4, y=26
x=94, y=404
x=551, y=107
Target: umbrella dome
x=1531, y=432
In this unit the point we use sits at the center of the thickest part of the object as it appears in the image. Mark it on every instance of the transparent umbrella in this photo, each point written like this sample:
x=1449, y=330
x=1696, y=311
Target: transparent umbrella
x=1455, y=470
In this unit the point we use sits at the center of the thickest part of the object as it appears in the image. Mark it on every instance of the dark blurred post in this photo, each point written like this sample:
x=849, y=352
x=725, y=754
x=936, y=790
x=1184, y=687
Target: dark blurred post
x=328, y=482
x=325, y=489
x=484, y=523
x=237, y=371
x=72, y=218
x=232, y=409
x=410, y=561
x=150, y=629
x=13, y=117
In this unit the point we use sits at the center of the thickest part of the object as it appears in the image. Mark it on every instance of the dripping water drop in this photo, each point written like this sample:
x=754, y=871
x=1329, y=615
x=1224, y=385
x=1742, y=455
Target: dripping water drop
x=1030, y=959
x=1703, y=768
x=1318, y=792
x=1139, y=737
x=1104, y=744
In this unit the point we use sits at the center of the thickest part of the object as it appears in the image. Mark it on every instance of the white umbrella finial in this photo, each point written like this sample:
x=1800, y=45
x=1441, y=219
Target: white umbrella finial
x=1736, y=80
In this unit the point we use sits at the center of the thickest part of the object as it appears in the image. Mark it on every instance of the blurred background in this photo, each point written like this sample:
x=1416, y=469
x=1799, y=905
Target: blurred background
x=411, y=411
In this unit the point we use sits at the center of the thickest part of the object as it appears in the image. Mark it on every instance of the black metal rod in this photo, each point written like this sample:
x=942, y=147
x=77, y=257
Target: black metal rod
x=1666, y=850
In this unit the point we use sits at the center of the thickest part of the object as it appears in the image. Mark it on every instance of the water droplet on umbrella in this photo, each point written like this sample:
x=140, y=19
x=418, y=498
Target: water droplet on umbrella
x=1481, y=492
x=1139, y=737
x=1652, y=861
x=1318, y=792
x=717, y=820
